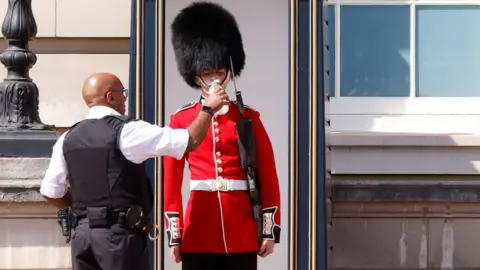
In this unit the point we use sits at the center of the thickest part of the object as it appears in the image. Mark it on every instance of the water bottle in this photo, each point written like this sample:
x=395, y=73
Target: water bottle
x=214, y=86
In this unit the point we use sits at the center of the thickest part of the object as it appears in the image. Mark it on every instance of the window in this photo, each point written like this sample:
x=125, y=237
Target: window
x=331, y=39
x=393, y=58
x=448, y=51
x=375, y=59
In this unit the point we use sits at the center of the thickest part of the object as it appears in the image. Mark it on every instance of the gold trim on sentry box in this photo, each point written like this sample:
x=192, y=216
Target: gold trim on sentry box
x=313, y=134
x=159, y=120
x=293, y=159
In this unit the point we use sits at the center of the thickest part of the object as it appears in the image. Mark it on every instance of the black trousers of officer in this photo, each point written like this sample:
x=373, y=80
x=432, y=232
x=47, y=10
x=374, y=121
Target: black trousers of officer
x=113, y=248
x=214, y=261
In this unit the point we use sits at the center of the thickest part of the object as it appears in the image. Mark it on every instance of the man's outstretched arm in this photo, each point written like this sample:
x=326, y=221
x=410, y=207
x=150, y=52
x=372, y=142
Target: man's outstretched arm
x=140, y=140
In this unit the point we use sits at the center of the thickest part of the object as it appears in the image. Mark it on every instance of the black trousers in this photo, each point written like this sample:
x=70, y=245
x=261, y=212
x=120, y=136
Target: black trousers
x=114, y=248
x=214, y=261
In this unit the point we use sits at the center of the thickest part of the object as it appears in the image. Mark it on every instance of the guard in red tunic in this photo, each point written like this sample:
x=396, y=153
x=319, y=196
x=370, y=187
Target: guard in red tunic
x=218, y=229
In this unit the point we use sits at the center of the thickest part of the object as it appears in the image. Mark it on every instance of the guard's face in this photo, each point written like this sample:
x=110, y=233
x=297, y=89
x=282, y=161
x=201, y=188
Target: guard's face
x=209, y=75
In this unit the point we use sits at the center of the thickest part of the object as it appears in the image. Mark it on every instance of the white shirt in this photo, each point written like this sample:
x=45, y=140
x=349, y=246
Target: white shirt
x=138, y=142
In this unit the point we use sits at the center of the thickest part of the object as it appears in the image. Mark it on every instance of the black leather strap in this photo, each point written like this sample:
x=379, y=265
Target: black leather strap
x=207, y=110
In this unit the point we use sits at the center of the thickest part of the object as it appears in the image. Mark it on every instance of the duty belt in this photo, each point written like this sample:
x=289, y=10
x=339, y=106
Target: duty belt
x=133, y=218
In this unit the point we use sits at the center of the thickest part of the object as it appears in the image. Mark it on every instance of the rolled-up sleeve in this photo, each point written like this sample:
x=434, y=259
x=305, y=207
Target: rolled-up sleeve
x=140, y=140
x=55, y=183
x=179, y=143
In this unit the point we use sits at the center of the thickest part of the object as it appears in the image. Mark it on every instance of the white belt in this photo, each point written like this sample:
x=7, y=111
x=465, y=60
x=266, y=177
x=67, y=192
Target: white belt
x=218, y=185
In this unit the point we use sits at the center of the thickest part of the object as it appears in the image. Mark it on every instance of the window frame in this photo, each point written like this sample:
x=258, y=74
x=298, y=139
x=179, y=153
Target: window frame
x=397, y=106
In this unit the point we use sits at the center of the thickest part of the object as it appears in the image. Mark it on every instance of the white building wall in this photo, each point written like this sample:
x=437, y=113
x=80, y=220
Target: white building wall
x=75, y=39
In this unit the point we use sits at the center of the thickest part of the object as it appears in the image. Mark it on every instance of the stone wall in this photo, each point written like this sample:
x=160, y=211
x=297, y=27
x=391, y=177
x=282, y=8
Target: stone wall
x=75, y=38
x=405, y=201
x=30, y=237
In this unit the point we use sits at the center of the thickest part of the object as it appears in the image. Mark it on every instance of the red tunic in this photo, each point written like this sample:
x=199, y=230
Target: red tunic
x=217, y=221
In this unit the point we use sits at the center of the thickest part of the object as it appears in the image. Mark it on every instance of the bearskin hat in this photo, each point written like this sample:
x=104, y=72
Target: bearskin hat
x=206, y=35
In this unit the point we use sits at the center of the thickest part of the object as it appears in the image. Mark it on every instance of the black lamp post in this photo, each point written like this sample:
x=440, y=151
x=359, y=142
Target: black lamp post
x=22, y=133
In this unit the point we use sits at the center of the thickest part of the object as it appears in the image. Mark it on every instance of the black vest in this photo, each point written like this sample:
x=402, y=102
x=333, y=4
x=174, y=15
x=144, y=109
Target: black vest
x=99, y=173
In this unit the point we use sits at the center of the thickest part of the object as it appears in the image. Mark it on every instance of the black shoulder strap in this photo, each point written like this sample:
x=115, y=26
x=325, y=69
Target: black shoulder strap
x=246, y=143
x=248, y=159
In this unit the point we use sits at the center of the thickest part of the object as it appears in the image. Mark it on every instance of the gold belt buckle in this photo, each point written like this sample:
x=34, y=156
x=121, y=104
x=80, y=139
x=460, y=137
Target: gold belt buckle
x=220, y=185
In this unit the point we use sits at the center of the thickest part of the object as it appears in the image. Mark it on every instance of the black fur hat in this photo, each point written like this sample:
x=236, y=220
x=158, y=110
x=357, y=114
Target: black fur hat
x=206, y=35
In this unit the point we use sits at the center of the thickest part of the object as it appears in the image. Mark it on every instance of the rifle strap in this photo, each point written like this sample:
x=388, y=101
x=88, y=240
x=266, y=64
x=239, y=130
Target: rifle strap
x=246, y=146
x=246, y=143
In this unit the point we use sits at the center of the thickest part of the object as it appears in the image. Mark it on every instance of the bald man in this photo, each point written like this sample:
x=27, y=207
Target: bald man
x=97, y=170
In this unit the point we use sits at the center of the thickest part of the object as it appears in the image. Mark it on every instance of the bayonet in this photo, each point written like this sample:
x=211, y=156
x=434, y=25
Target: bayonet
x=238, y=94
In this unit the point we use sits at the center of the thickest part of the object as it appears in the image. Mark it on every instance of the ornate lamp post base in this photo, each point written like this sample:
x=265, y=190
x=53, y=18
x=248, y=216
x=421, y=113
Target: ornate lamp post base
x=22, y=133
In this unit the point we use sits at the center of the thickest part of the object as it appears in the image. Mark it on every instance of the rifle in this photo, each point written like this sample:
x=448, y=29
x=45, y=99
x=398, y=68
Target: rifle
x=248, y=158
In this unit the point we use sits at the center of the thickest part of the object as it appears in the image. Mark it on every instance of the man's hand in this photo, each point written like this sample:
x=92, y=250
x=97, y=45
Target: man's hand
x=199, y=128
x=217, y=99
x=175, y=254
x=267, y=248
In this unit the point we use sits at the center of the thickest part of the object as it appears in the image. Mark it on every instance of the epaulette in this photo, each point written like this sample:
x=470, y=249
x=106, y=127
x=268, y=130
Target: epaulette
x=246, y=106
x=187, y=106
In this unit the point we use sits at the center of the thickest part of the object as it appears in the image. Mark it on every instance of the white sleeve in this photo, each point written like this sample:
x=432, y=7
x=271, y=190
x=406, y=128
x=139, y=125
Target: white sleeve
x=54, y=184
x=140, y=141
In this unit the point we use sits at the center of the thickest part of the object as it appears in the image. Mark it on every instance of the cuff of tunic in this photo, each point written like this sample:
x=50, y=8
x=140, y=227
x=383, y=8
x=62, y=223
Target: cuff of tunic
x=271, y=231
x=174, y=232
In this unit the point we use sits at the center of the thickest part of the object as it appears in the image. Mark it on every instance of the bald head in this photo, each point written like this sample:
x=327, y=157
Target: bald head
x=97, y=85
x=104, y=89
